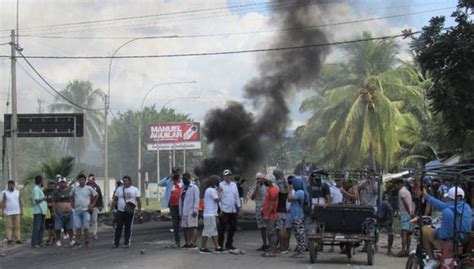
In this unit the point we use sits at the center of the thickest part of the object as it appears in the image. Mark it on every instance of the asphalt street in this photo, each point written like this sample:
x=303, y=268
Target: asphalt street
x=149, y=249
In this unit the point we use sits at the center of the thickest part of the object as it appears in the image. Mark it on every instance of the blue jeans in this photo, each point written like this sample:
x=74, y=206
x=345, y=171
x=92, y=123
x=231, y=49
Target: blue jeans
x=38, y=229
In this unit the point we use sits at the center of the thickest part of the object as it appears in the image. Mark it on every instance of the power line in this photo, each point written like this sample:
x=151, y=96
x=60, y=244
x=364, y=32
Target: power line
x=167, y=14
x=250, y=32
x=183, y=18
x=222, y=52
x=36, y=81
x=56, y=91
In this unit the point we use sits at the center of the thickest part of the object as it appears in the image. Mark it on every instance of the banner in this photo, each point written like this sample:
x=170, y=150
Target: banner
x=174, y=135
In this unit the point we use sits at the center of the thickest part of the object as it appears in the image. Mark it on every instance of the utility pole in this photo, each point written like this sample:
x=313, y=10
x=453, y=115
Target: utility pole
x=106, y=153
x=14, y=120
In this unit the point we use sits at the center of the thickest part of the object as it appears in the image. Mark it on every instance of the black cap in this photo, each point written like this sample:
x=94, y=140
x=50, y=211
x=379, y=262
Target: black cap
x=175, y=170
x=91, y=175
x=51, y=181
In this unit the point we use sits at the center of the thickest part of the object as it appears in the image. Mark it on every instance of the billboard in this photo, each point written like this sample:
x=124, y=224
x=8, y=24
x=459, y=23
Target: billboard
x=47, y=125
x=174, y=135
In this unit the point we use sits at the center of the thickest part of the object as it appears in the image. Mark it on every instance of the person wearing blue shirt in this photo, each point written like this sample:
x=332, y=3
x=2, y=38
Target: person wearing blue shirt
x=433, y=238
x=297, y=197
x=174, y=185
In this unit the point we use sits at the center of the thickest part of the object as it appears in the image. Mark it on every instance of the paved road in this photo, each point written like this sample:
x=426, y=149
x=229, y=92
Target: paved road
x=154, y=238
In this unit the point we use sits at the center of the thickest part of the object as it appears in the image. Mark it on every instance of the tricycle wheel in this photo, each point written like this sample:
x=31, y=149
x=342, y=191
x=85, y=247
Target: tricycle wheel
x=349, y=251
x=370, y=253
x=313, y=252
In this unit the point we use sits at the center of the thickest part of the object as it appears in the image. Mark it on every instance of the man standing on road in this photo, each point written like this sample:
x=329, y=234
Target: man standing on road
x=173, y=185
x=385, y=221
x=369, y=191
x=406, y=209
x=229, y=206
x=99, y=205
x=283, y=223
x=12, y=212
x=127, y=198
x=270, y=206
x=39, y=212
x=258, y=195
x=49, y=223
x=63, y=209
x=211, y=203
x=83, y=200
x=188, y=211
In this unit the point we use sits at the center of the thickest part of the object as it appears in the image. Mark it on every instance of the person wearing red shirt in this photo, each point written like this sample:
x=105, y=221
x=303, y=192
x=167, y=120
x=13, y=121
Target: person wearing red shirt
x=174, y=185
x=270, y=206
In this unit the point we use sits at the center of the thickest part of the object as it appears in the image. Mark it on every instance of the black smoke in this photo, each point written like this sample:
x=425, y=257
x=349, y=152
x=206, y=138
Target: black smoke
x=236, y=134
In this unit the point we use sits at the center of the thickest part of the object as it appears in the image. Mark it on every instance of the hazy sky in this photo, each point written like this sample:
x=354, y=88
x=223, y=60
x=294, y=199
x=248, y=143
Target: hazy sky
x=220, y=78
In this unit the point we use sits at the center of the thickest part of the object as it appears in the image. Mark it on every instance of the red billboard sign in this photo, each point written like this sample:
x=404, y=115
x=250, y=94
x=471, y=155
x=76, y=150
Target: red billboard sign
x=175, y=135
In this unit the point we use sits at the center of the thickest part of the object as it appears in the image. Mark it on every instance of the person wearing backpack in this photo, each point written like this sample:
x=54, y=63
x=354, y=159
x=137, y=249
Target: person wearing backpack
x=127, y=198
x=455, y=205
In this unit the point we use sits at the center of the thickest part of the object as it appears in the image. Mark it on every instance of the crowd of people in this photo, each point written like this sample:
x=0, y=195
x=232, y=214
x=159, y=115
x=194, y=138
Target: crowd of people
x=58, y=207
x=282, y=208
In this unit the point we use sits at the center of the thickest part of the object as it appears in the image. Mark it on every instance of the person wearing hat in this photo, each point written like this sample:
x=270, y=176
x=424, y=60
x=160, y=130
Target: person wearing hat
x=270, y=206
x=455, y=205
x=174, y=185
x=229, y=206
x=258, y=195
x=63, y=209
x=48, y=192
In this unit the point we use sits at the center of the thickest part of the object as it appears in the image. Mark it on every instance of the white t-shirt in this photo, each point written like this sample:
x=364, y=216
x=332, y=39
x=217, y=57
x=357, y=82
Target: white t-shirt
x=336, y=195
x=210, y=205
x=13, y=202
x=82, y=197
x=131, y=195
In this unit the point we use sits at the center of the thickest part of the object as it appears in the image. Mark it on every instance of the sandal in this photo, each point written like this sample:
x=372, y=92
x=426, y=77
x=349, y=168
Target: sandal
x=268, y=255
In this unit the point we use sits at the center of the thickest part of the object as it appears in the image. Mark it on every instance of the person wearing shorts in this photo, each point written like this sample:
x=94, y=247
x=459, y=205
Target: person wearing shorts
x=211, y=202
x=83, y=199
x=406, y=209
x=188, y=210
x=64, y=217
x=258, y=195
x=283, y=224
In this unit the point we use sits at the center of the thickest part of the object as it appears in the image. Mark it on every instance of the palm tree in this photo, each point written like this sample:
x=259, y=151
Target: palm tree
x=359, y=118
x=82, y=94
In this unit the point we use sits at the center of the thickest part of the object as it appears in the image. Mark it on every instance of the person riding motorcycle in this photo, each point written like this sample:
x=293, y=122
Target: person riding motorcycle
x=433, y=237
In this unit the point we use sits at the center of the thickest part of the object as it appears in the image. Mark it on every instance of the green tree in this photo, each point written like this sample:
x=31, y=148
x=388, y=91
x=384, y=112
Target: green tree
x=62, y=166
x=83, y=94
x=359, y=118
x=448, y=54
x=124, y=141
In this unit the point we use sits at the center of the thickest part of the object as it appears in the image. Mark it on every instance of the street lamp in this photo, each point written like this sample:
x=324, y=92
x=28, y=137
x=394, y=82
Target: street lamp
x=106, y=106
x=140, y=125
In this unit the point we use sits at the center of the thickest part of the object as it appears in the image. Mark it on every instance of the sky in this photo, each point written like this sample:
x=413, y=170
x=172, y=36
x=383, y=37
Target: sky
x=219, y=79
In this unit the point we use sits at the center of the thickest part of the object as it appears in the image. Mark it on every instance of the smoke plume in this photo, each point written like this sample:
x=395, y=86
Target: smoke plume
x=236, y=134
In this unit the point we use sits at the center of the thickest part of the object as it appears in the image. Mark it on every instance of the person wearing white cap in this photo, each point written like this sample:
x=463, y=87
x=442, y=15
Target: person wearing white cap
x=455, y=205
x=229, y=206
x=258, y=195
x=64, y=217
x=270, y=206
